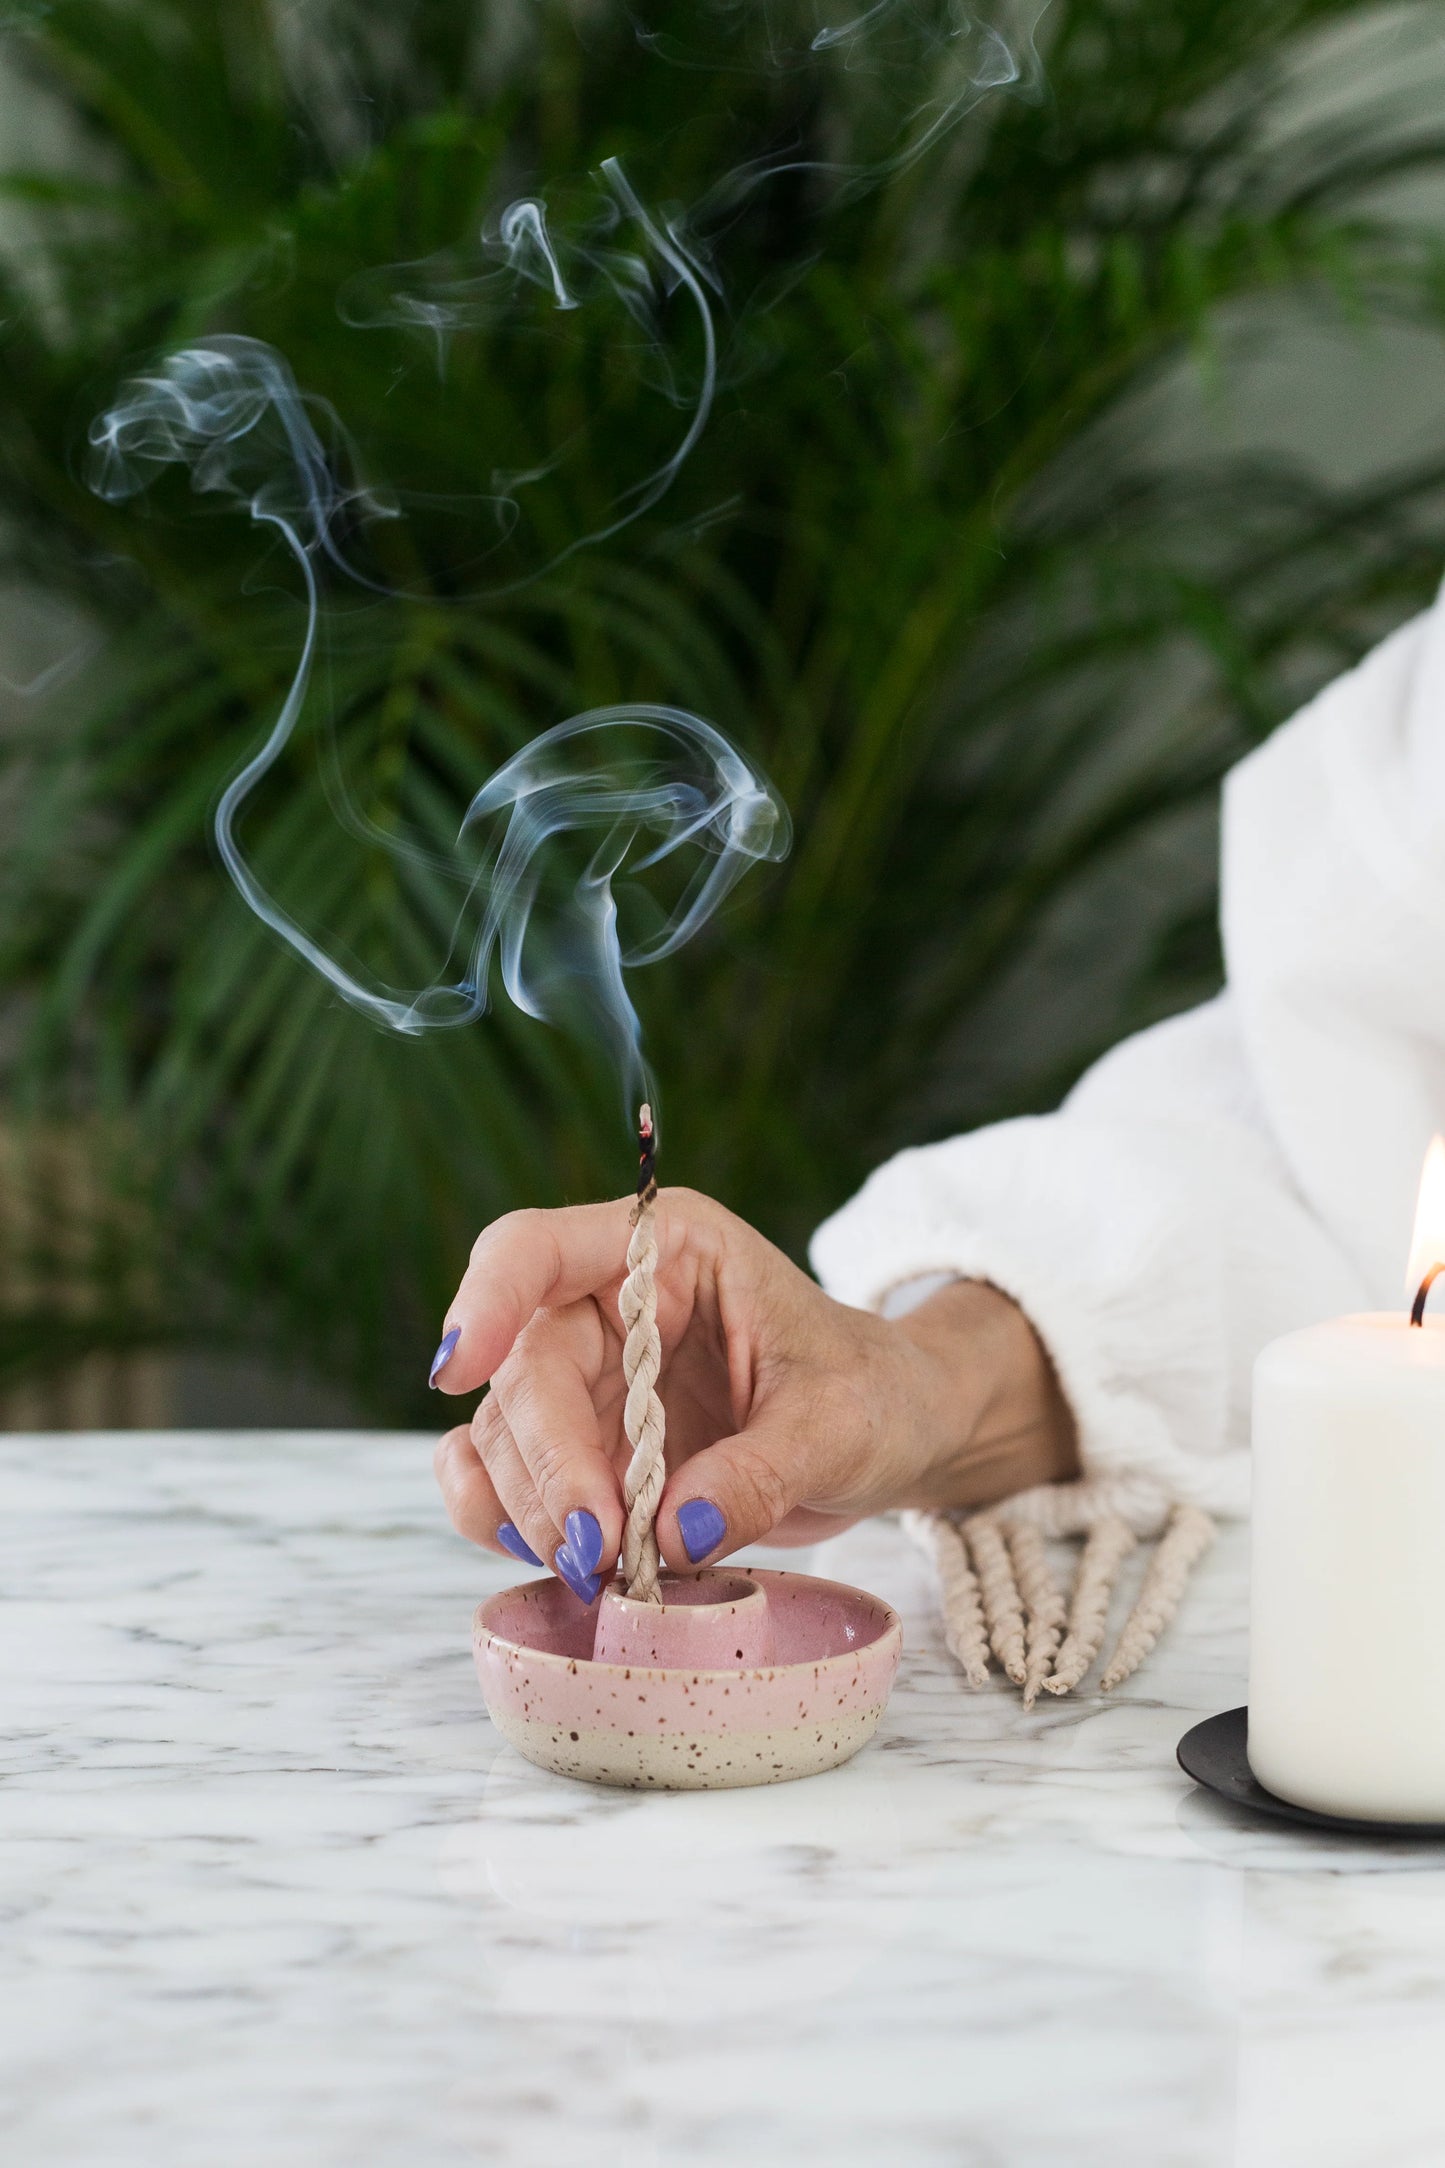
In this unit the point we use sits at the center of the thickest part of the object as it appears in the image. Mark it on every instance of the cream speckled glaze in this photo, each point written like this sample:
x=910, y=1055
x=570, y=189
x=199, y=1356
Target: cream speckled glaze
x=678, y=1728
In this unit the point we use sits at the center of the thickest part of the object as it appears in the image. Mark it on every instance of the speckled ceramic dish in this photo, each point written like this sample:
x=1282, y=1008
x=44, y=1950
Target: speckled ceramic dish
x=682, y=1729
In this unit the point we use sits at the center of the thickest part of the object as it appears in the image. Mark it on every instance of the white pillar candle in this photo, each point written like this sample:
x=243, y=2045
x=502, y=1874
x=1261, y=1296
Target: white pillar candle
x=1346, y=1682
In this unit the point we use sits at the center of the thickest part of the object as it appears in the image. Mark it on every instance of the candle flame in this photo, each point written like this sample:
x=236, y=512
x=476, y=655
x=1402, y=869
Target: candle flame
x=1427, y=1248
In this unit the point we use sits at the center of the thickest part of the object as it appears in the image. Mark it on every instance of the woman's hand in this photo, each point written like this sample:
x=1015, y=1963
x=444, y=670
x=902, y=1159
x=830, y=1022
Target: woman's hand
x=788, y=1414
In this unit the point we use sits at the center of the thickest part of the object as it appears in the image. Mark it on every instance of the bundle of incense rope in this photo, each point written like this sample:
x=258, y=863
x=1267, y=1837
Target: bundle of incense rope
x=642, y=1416
x=1000, y=1596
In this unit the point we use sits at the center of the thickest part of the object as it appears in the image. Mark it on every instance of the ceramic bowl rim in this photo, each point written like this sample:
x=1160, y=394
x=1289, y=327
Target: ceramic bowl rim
x=890, y=1629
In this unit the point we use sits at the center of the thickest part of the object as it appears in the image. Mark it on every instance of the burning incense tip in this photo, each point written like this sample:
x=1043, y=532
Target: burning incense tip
x=646, y=1160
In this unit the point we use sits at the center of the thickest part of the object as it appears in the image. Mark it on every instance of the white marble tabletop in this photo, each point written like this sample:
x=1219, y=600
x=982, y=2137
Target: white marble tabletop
x=274, y=1891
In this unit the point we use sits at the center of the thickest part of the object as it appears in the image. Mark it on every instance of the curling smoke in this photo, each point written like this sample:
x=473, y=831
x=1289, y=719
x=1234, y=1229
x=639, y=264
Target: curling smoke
x=656, y=782
x=929, y=64
x=623, y=256
x=653, y=783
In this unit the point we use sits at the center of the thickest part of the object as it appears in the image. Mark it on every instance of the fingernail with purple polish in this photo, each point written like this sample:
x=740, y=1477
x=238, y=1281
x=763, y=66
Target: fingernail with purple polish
x=584, y=1539
x=444, y=1355
x=583, y=1585
x=701, y=1527
x=511, y=1541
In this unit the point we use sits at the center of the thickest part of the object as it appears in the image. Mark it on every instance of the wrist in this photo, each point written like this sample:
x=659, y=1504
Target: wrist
x=991, y=1413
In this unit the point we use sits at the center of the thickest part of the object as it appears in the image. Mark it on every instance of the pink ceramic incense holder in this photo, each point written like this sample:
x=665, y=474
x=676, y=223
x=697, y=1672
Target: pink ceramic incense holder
x=732, y=1678
x=735, y=1678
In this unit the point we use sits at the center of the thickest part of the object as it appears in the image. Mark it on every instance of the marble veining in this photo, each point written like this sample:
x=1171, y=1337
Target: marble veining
x=275, y=1891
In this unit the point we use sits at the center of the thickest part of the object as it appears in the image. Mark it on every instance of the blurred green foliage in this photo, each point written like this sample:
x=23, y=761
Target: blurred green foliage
x=994, y=644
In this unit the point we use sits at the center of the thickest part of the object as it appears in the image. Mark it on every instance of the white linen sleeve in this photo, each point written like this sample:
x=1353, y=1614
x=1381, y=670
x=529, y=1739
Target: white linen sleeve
x=1151, y=1233
x=1237, y=1171
x=1334, y=938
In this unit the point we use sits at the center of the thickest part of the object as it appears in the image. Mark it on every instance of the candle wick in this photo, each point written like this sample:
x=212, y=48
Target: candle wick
x=1417, y=1307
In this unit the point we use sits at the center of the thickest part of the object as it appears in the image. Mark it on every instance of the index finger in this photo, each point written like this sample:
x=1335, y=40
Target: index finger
x=522, y=1263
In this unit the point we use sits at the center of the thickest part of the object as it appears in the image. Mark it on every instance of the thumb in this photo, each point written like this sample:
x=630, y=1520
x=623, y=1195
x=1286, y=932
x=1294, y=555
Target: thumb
x=737, y=1491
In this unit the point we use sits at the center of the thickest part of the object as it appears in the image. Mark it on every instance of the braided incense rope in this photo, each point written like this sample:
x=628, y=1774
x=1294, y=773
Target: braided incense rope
x=1183, y=1544
x=1044, y=1608
x=999, y=1591
x=1014, y=1587
x=1109, y=1544
x=642, y=1417
x=963, y=1628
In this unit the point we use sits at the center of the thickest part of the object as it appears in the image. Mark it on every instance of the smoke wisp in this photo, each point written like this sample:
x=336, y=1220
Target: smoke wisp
x=619, y=256
x=655, y=784
x=648, y=787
